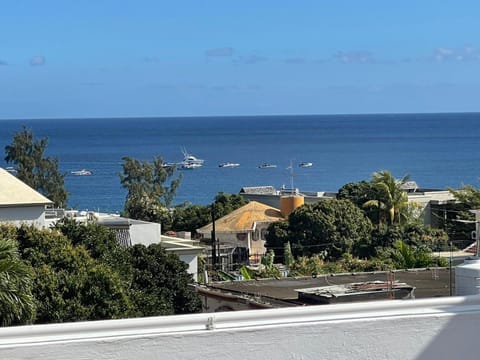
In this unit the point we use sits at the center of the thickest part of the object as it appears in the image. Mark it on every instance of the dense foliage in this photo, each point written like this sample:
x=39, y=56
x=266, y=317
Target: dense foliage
x=35, y=169
x=17, y=304
x=339, y=235
x=79, y=272
x=148, y=198
x=330, y=227
x=160, y=283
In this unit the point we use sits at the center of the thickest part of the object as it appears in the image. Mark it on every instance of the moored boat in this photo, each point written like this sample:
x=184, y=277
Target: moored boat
x=188, y=166
x=82, y=172
x=305, y=164
x=267, y=166
x=228, y=165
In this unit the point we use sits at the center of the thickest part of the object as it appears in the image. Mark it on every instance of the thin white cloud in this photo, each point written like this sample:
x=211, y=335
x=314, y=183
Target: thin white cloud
x=37, y=61
x=458, y=54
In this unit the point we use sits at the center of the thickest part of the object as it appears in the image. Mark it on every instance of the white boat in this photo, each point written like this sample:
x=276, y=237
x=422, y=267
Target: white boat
x=305, y=164
x=267, y=166
x=228, y=165
x=190, y=159
x=188, y=166
x=83, y=172
x=11, y=169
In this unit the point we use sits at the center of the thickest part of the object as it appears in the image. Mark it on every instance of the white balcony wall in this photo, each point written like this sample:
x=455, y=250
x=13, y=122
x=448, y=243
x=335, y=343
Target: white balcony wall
x=440, y=328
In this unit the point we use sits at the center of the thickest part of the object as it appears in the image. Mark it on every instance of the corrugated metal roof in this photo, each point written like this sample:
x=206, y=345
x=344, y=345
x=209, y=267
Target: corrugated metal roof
x=15, y=192
x=244, y=218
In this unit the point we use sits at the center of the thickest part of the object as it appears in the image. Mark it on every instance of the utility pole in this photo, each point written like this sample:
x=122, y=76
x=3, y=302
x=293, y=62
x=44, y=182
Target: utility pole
x=214, y=236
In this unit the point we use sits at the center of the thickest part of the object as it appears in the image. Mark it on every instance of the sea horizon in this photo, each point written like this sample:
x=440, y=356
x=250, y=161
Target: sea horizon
x=75, y=118
x=438, y=150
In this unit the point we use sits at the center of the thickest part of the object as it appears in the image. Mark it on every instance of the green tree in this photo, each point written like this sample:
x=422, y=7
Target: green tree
x=147, y=195
x=331, y=226
x=100, y=242
x=405, y=256
x=276, y=237
x=468, y=195
x=458, y=220
x=389, y=197
x=17, y=305
x=69, y=285
x=161, y=284
x=358, y=193
x=34, y=168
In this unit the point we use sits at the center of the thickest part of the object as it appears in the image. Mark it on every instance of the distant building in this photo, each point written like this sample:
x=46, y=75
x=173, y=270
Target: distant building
x=19, y=203
x=270, y=196
x=244, y=229
x=429, y=201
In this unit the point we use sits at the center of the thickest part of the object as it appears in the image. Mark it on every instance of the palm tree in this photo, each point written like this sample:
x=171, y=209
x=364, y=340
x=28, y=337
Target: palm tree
x=390, y=197
x=16, y=301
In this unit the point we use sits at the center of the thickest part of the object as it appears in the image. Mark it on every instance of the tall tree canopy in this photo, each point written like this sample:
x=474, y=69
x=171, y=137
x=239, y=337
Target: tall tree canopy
x=332, y=227
x=160, y=283
x=69, y=285
x=389, y=197
x=34, y=168
x=147, y=195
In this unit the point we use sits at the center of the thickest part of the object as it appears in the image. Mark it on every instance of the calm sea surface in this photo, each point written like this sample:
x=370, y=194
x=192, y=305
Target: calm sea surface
x=436, y=150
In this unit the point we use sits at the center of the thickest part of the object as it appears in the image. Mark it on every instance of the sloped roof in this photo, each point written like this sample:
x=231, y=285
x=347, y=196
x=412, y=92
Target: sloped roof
x=14, y=192
x=244, y=218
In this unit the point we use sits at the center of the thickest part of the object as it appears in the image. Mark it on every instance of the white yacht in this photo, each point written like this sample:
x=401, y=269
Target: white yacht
x=228, y=165
x=305, y=164
x=83, y=172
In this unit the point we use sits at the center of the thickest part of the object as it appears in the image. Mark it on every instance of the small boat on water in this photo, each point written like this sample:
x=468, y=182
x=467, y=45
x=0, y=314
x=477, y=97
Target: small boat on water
x=83, y=172
x=228, y=165
x=305, y=164
x=267, y=166
x=189, y=161
x=188, y=166
x=11, y=169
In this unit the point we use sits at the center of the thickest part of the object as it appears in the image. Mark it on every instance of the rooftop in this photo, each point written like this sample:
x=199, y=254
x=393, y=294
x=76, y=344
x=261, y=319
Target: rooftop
x=15, y=192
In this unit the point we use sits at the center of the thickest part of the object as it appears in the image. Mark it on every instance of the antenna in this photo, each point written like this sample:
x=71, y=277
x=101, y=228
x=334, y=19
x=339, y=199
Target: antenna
x=290, y=168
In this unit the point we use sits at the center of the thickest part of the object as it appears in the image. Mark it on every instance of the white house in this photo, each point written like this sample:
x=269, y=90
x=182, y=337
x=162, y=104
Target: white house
x=19, y=203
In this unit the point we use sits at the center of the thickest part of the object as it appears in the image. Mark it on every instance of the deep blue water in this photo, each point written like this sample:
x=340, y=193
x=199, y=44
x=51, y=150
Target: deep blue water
x=436, y=150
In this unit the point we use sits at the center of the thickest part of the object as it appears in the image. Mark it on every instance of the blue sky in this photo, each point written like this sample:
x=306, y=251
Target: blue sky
x=105, y=58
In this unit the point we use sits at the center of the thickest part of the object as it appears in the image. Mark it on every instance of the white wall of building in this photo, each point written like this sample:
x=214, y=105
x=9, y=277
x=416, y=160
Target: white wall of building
x=32, y=215
x=192, y=261
x=439, y=328
x=145, y=233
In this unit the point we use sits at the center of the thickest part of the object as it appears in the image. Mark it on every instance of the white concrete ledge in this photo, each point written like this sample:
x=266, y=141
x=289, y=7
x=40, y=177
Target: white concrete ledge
x=426, y=318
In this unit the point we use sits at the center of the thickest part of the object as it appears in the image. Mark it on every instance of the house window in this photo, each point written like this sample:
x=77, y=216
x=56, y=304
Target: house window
x=263, y=234
x=241, y=236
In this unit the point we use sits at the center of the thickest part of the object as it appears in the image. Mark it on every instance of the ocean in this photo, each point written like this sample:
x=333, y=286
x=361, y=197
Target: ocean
x=436, y=150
